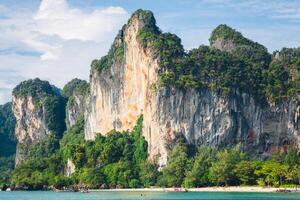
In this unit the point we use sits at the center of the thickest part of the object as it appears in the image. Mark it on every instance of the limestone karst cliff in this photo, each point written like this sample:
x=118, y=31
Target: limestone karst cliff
x=199, y=95
x=149, y=93
x=39, y=112
x=231, y=92
x=75, y=92
x=124, y=91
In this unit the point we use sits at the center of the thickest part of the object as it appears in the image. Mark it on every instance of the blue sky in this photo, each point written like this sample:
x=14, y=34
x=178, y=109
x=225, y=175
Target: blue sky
x=56, y=40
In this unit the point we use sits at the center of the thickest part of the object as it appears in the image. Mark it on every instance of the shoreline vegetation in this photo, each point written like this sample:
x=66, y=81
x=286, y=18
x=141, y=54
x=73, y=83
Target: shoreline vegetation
x=246, y=189
x=205, y=189
x=119, y=160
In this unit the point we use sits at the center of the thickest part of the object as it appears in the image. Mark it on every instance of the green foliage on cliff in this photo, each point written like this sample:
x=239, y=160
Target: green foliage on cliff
x=147, y=19
x=283, y=74
x=36, y=172
x=117, y=50
x=115, y=55
x=287, y=55
x=246, y=67
x=44, y=148
x=117, y=160
x=7, y=164
x=46, y=161
x=207, y=67
x=46, y=97
x=7, y=130
x=75, y=86
x=165, y=45
x=7, y=143
x=73, y=136
x=210, y=68
x=55, y=114
x=34, y=88
x=225, y=32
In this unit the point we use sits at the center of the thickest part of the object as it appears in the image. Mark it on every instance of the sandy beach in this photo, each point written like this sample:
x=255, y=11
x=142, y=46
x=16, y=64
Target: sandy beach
x=204, y=189
x=239, y=189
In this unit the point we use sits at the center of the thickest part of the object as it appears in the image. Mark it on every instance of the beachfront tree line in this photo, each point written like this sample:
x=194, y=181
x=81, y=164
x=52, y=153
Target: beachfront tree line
x=228, y=167
x=119, y=160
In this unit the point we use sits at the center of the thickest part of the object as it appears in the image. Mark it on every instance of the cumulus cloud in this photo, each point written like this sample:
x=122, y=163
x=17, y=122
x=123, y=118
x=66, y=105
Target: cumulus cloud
x=55, y=42
x=55, y=17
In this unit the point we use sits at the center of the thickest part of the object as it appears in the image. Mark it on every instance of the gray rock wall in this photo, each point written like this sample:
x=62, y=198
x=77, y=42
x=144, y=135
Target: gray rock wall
x=30, y=124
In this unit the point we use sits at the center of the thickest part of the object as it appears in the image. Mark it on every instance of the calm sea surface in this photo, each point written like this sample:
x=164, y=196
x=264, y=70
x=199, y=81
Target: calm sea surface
x=137, y=196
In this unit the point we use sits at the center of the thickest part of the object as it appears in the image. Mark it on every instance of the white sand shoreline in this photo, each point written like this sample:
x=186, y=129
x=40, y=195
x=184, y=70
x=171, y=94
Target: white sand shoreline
x=204, y=189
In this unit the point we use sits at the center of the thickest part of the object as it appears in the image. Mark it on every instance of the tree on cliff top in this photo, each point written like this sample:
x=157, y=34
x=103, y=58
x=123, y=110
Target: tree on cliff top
x=75, y=86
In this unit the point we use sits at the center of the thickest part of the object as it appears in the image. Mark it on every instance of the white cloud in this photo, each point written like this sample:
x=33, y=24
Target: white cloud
x=50, y=51
x=56, y=42
x=55, y=17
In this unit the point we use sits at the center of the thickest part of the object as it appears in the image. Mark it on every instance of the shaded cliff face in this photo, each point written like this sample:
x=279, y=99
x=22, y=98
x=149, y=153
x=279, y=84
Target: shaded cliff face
x=7, y=131
x=75, y=92
x=130, y=87
x=74, y=110
x=39, y=112
x=205, y=118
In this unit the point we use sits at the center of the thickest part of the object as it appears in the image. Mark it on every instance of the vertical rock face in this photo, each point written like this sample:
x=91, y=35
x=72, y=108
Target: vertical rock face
x=204, y=118
x=226, y=45
x=31, y=124
x=74, y=110
x=70, y=168
x=126, y=89
x=39, y=112
x=75, y=91
x=121, y=94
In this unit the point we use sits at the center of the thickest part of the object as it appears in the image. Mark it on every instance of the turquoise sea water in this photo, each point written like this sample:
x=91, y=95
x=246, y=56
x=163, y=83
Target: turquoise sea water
x=146, y=196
